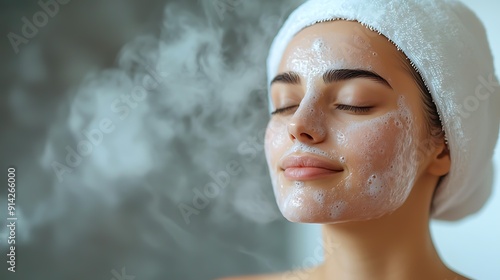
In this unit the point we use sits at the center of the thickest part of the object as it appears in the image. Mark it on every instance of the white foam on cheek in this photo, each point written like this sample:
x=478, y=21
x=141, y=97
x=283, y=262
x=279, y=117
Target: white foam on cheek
x=389, y=167
x=375, y=185
x=270, y=150
x=341, y=140
x=276, y=137
x=278, y=134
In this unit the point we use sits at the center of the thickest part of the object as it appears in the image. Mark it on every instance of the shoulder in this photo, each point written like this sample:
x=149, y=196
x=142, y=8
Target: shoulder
x=277, y=276
x=311, y=273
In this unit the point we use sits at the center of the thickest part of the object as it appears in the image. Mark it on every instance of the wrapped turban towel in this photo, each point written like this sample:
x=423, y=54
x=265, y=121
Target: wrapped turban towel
x=447, y=45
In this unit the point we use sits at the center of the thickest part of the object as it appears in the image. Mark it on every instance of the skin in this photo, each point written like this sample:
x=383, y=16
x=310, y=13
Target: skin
x=381, y=236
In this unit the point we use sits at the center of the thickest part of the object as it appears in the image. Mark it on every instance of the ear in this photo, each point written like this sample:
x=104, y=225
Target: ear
x=440, y=162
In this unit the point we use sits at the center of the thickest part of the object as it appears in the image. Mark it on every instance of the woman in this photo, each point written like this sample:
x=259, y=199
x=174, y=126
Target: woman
x=383, y=116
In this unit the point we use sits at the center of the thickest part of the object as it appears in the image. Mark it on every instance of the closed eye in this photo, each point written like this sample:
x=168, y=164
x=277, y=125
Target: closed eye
x=283, y=110
x=343, y=107
x=354, y=109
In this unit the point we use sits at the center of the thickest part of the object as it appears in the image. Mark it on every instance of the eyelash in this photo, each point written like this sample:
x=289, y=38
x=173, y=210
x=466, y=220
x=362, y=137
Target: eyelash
x=343, y=107
x=282, y=110
x=354, y=109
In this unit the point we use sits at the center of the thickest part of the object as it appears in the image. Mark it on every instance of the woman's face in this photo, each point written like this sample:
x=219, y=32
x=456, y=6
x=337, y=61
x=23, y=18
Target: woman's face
x=343, y=144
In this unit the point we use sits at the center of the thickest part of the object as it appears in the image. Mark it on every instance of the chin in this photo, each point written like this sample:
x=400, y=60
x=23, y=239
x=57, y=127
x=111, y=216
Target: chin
x=337, y=213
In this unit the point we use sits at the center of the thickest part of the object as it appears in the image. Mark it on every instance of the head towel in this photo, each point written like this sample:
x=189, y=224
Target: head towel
x=447, y=45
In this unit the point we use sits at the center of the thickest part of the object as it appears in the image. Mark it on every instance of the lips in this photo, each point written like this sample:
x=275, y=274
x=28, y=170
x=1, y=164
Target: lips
x=308, y=167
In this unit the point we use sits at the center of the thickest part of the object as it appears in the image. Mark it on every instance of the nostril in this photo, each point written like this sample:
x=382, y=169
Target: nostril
x=306, y=136
x=305, y=133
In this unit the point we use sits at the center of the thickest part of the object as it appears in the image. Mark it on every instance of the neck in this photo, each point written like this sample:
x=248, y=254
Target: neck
x=395, y=246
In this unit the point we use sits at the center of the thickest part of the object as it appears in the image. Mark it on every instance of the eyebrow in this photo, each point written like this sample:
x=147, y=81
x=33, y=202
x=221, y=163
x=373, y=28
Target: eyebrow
x=332, y=75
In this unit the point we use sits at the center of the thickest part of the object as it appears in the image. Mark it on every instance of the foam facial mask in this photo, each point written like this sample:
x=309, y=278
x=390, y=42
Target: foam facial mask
x=379, y=156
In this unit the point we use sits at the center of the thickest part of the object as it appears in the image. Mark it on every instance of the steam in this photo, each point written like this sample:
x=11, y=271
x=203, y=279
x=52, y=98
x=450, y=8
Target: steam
x=181, y=115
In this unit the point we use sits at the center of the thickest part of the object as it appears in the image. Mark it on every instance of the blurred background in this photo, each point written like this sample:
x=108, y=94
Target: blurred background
x=136, y=130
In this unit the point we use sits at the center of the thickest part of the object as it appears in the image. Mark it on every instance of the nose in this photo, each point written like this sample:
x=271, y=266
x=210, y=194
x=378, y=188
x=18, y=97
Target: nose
x=306, y=128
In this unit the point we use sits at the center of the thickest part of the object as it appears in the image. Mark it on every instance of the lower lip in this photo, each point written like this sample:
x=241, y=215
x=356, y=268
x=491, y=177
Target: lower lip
x=307, y=173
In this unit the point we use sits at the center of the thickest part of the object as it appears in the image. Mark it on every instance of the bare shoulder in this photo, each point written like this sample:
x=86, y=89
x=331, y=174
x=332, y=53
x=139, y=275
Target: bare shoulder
x=276, y=276
x=310, y=273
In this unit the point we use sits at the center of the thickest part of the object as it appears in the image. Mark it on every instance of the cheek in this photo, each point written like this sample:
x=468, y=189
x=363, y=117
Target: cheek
x=276, y=135
x=381, y=161
x=371, y=146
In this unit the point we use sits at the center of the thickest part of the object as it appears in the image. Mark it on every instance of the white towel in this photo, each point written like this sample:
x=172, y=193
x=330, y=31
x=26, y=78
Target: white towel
x=448, y=46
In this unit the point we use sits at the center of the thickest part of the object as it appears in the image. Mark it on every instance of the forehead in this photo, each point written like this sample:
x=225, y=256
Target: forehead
x=340, y=44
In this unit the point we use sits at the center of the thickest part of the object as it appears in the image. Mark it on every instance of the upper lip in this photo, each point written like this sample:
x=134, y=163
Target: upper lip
x=309, y=161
